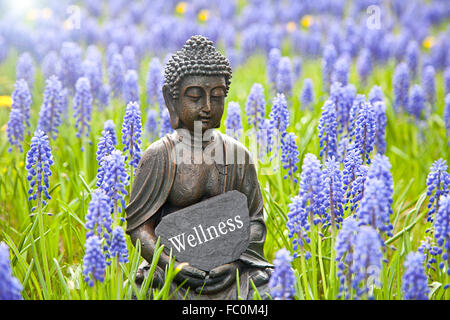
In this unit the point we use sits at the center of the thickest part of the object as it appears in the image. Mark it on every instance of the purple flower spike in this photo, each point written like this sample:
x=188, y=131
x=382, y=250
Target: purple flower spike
x=15, y=129
x=115, y=179
x=131, y=133
x=39, y=160
x=298, y=226
x=255, y=107
x=131, y=87
x=25, y=69
x=52, y=107
x=307, y=95
x=118, y=245
x=401, y=86
x=10, y=287
x=285, y=78
x=438, y=182
x=21, y=99
x=282, y=281
x=289, y=155
x=233, y=123
x=94, y=262
x=328, y=130
x=116, y=74
x=415, y=280
x=82, y=106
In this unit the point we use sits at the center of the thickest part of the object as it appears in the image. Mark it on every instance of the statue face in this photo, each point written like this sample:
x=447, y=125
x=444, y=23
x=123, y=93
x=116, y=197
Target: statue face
x=201, y=98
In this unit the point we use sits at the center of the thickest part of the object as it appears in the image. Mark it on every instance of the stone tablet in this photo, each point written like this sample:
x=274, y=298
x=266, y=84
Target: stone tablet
x=209, y=233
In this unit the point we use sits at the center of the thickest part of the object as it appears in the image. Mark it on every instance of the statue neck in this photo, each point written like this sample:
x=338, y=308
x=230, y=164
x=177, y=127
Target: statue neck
x=194, y=140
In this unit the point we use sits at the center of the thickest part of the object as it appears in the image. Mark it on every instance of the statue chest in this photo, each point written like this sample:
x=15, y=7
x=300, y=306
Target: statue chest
x=194, y=183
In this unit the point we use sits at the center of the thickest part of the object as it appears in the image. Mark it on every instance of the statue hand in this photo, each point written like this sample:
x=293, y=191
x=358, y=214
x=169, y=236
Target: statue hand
x=220, y=278
x=194, y=277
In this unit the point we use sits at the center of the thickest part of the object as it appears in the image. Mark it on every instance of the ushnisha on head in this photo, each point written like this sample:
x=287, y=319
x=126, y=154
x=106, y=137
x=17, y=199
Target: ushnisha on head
x=197, y=80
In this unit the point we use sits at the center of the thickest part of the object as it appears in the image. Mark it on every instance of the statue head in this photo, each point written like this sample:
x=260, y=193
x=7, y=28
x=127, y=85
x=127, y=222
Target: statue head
x=197, y=80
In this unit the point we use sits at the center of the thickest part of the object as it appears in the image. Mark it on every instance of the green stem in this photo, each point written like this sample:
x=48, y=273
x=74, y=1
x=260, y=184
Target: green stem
x=322, y=272
x=42, y=243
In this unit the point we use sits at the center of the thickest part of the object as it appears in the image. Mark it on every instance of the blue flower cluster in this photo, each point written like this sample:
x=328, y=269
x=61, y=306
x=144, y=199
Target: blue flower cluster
x=255, y=107
x=118, y=246
x=289, y=155
x=82, y=106
x=365, y=130
x=333, y=193
x=39, y=160
x=98, y=217
x=282, y=280
x=279, y=120
x=71, y=64
x=415, y=280
x=151, y=125
x=307, y=95
x=438, y=182
x=21, y=99
x=25, y=69
x=116, y=75
x=94, y=262
x=155, y=81
x=233, y=122
x=285, y=77
x=442, y=230
x=15, y=129
x=52, y=107
x=10, y=287
x=298, y=226
x=131, y=86
x=401, y=86
x=131, y=133
x=328, y=130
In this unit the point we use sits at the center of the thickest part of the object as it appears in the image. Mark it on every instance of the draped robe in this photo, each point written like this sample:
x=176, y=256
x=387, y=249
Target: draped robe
x=153, y=182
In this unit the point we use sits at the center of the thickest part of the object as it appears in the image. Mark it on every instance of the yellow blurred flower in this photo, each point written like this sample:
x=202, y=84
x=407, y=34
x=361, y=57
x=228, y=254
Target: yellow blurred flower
x=21, y=164
x=33, y=14
x=4, y=127
x=181, y=7
x=291, y=26
x=5, y=101
x=203, y=15
x=428, y=42
x=307, y=21
x=46, y=13
x=4, y=170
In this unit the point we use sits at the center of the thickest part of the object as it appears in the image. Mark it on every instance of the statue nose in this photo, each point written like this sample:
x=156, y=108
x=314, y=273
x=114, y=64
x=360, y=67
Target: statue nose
x=207, y=105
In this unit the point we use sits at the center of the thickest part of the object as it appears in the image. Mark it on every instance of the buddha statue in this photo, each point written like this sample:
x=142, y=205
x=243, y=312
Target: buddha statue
x=197, y=80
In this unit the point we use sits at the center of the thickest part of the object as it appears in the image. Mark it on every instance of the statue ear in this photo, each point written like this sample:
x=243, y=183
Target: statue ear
x=170, y=103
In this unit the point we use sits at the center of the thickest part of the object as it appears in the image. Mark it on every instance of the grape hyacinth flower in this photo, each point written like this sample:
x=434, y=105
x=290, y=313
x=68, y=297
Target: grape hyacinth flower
x=297, y=65
x=272, y=66
x=416, y=102
x=92, y=70
x=357, y=188
x=307, y=95
x=343, y=97
x=401, y=86
x=82, y=106
x=21, y=99
x=15, y=129
x=10, y=287
x=289, y=154
x=412, y=57
x=52, y=108
x=103, y=96
x=381, y=122
x=376, y=95
x=345, y=243
x=282, y=280
x=50, y=65
x=447, y=80
x=115, y=179
x=71, y=64
x=285, y=79
x=39, y=160
x=25, y=69
x=328, y=61
x=328, y=130
x=131, y=133
x=105, y=146
x=447, y=115
x=129, y=58
x=131, y=87
x=380, y=168
x=166, y=127
x=438, y=182
x=429, y=85
x=442, y=230
x=430, y=251
x=352, y=162
x=415, y=281
x=311, y=188
x=365, y=130
x=155, y=82
x=151, y=125
x=341, y=70
x=367, y=259
x=255, y=107
x=375, y=208
x=333, y=193
x=279, y=119
x=233, y=123
x=116, y=75
x=298, y=226
x=94, y=262
x=265, y=140
x=364, y=64
x=98, y=217
x=118, y=246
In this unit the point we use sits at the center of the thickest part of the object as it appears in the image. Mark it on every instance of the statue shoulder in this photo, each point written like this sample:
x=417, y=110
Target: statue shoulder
x=157, y=150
